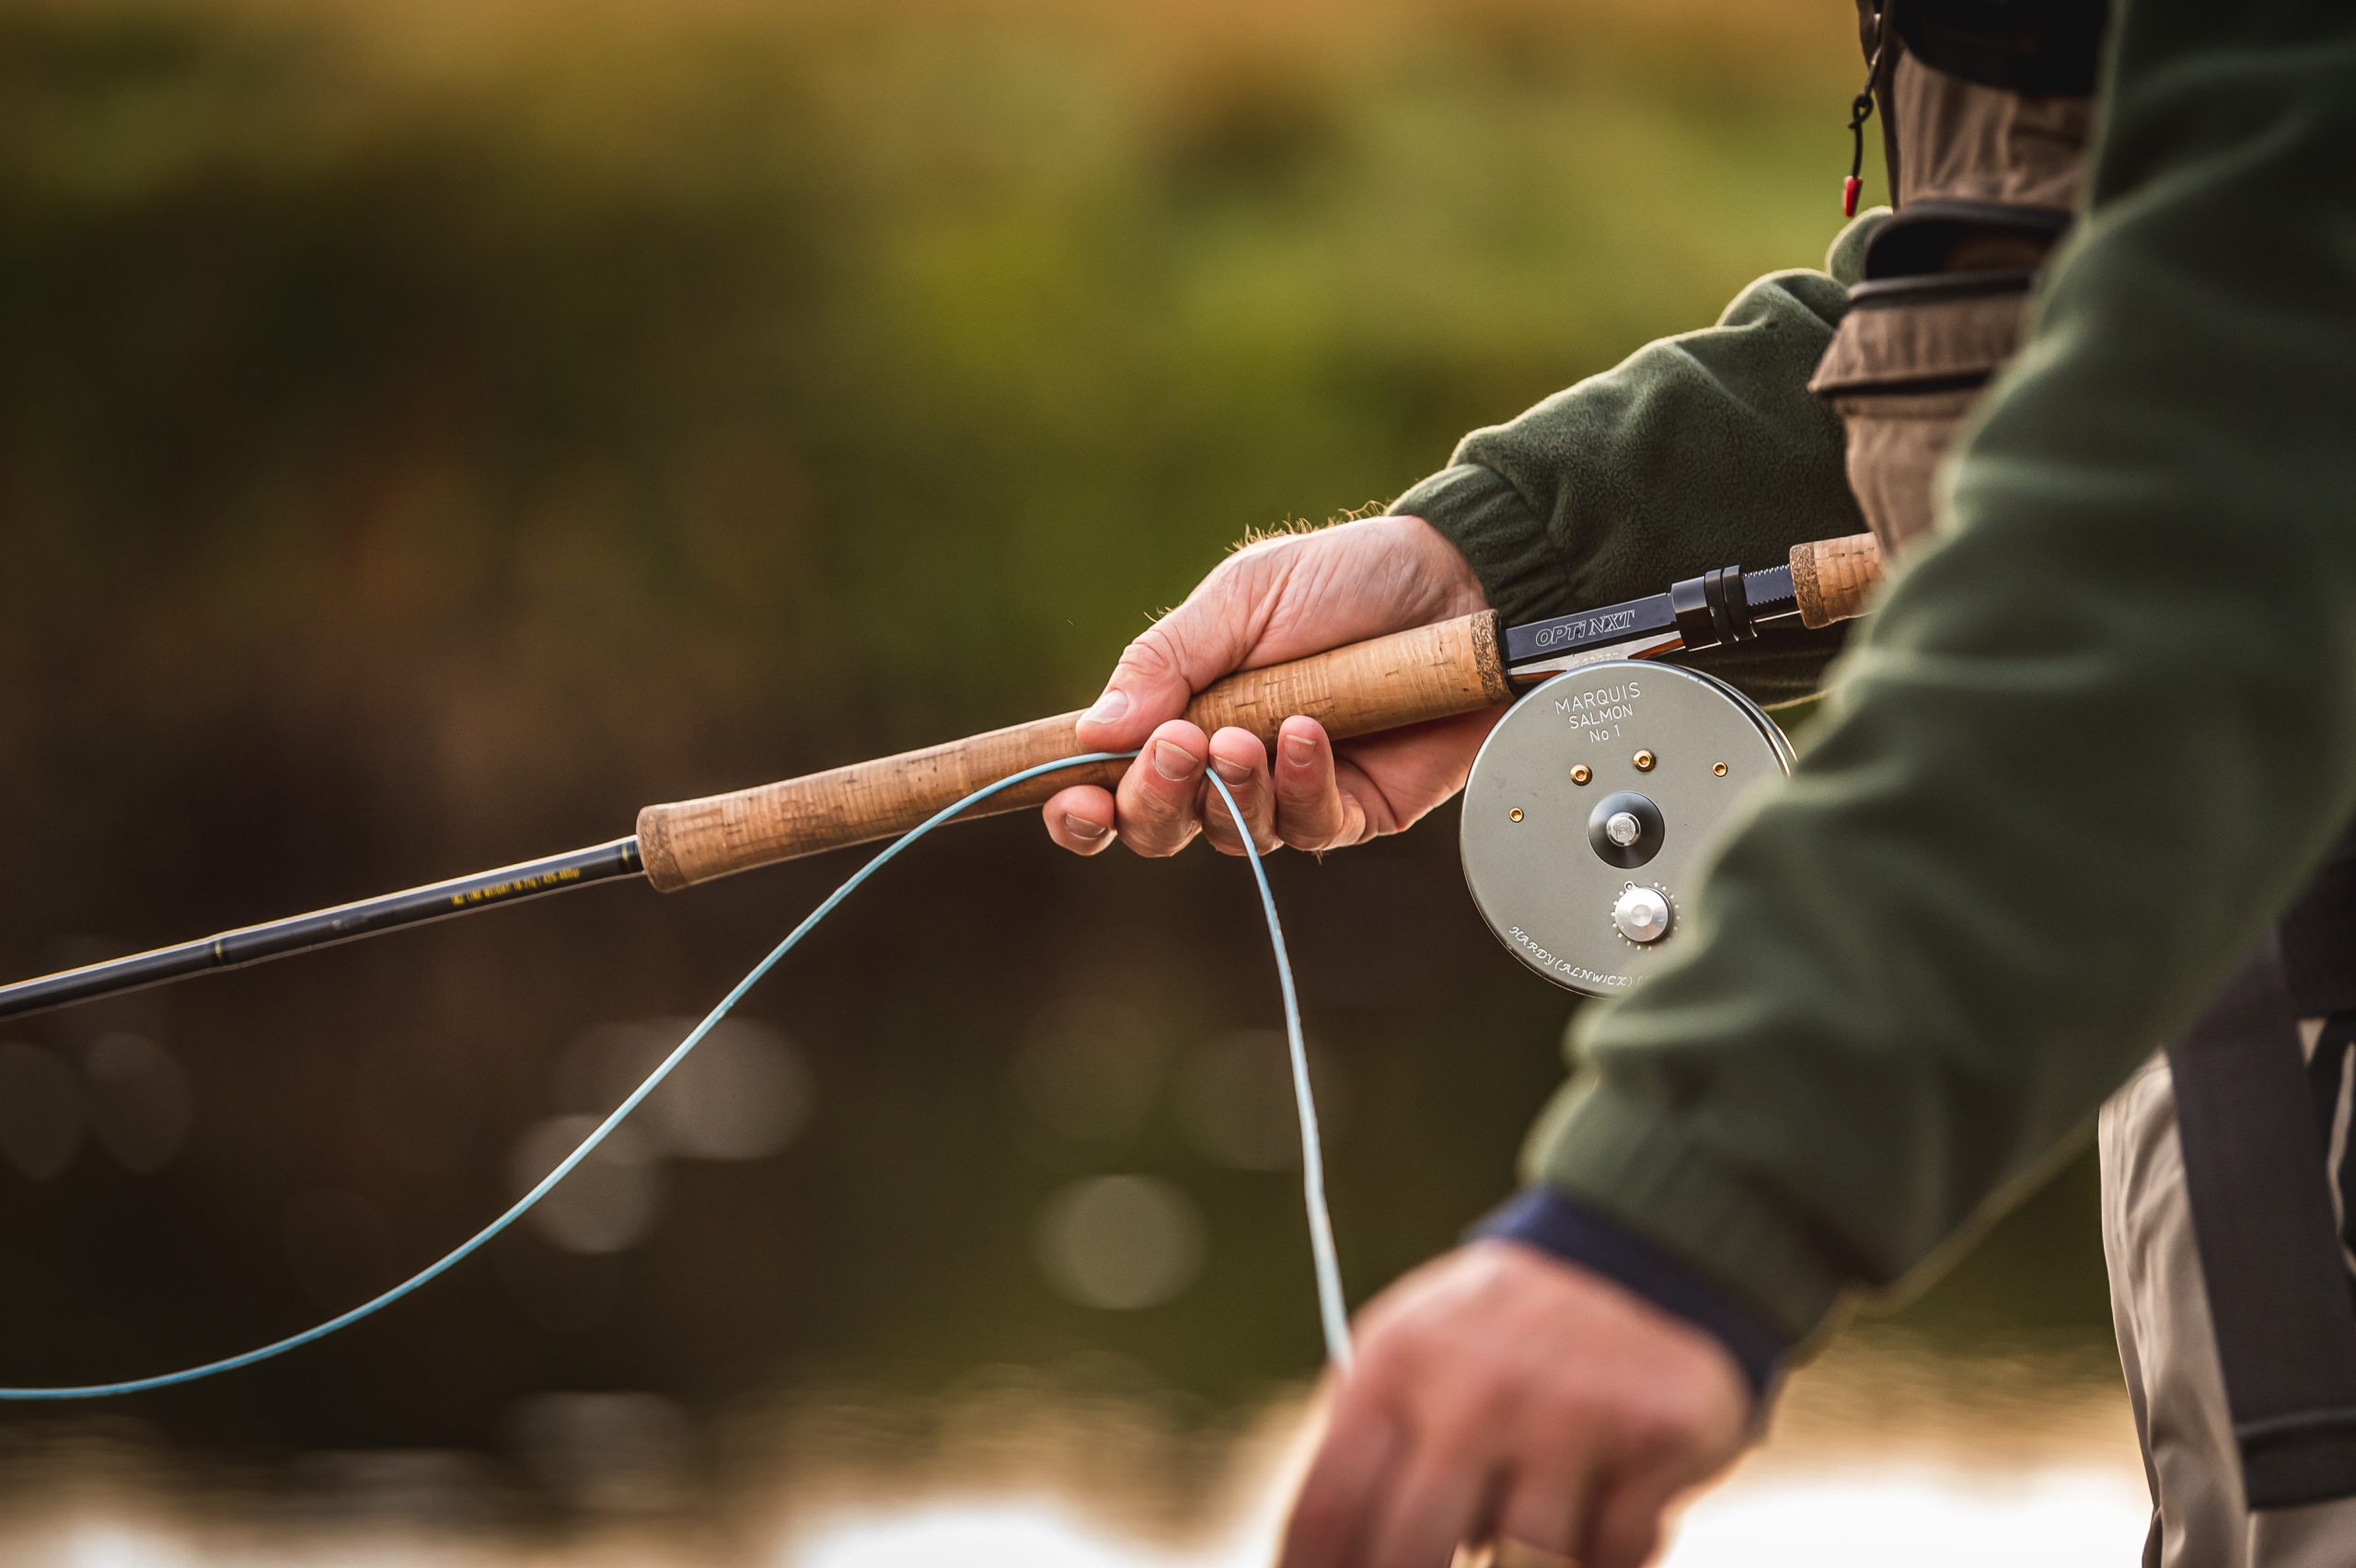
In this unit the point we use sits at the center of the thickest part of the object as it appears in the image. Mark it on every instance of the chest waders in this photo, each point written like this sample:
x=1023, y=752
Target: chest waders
x=1985, y=115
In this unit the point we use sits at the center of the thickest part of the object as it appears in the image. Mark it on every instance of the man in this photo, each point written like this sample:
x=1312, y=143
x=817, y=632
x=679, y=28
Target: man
x=2100, y=728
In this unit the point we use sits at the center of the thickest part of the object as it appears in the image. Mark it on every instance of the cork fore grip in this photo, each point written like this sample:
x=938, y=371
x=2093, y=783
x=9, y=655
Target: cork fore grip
x=1432, y=672
x=1832, y=578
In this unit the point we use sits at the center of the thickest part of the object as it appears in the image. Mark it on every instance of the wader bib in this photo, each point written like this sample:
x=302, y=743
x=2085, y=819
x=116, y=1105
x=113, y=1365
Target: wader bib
x=2235, y=1152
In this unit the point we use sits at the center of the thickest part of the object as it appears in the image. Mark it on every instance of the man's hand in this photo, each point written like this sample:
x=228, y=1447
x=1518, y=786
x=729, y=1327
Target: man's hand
x=1502, y=1394
x=1280, y=599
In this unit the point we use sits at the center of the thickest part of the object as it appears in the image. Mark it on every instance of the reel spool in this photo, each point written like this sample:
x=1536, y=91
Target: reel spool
x=1589, y=808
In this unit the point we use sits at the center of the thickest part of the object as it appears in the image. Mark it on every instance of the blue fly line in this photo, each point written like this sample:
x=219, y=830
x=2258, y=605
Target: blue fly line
x=1332, y=1312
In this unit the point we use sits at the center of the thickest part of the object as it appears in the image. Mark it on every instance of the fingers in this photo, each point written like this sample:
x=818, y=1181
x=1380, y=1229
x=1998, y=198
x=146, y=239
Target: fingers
x=1344, y=1485
x=1311, y=811
x=1546, y=1511
x=1155, y=804
x=1627, y=1526
x=1521, y=1399
x=1164, y=799
x=1508, y=1553
x=1241, y=764
x=1438, y=1503
x=1080, y=819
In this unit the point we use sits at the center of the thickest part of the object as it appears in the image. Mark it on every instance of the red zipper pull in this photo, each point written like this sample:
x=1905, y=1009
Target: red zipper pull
x=1861, y=108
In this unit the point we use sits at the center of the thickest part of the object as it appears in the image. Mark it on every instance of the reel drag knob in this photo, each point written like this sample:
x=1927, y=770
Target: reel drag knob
x=1600, y=771
x=1642, y=913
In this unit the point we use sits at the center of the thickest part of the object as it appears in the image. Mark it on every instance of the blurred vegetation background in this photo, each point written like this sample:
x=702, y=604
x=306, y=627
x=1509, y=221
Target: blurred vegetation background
x=430, y=430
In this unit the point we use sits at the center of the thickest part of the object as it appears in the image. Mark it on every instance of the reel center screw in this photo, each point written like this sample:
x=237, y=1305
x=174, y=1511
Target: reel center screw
x=1622, y=828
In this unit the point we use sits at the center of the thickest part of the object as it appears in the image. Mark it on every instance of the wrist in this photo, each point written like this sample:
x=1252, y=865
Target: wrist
x=1448, y=577
x=1548, y=1221
x=1503, y=542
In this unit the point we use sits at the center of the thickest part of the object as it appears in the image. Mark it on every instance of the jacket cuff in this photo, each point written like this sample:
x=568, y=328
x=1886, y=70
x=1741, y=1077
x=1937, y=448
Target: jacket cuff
x=1629, y=1164
x=1498, y=533
x=1846, y=259
x=1545, y=1219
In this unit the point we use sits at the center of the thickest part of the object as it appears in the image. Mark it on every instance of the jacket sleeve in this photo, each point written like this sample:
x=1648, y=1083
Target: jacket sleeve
x=2088, y=747
x=1698, y=451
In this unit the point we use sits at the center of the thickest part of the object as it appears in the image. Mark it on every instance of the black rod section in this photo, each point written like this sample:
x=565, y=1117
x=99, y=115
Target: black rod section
x=1728, y=604
x=324, y=927
x=1558, y=635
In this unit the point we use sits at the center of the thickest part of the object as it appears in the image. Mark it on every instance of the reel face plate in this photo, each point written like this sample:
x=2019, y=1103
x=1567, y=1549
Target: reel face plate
x=1589, y=806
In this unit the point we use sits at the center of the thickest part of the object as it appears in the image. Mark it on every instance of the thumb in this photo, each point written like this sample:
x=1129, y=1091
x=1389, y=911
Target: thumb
x=1179, y=654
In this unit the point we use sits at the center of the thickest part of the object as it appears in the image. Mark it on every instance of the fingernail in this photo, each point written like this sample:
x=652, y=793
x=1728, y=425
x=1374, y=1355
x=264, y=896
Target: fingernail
x=1083, y=828
x=1232, y=771
x=1301, y=748
x=1175, y=762
x=1111, y=706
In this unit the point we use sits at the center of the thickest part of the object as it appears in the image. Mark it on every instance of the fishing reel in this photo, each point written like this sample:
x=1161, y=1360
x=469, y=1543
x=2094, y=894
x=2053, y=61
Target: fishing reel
x=1590, y=809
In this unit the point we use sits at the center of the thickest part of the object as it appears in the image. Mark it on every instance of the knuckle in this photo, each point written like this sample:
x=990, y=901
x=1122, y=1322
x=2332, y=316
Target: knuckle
x=1306, y=797
x=1460, y=1415
x=1570, y=1405
x=1310, y=834
x=1223, y=838
x=1647, y=1436
x=1154, y=655
x=1651, y=1436
x=1158, y=835
x=1305, y=818
x=1392, y=1351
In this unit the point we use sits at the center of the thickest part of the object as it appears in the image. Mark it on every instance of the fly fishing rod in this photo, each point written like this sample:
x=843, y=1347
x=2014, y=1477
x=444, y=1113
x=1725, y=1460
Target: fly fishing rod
x=1387, y=683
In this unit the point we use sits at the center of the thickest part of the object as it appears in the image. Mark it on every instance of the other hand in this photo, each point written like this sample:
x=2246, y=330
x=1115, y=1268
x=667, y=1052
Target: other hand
x=1280, y=599
x=1500, y=1394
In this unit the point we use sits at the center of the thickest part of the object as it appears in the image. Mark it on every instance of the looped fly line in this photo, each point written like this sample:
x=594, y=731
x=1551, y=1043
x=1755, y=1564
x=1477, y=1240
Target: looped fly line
x=1330, y=1311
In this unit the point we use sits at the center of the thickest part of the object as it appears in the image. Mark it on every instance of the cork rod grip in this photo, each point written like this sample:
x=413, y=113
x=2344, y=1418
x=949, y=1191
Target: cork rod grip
x=1432, y=672
x=1832, y=578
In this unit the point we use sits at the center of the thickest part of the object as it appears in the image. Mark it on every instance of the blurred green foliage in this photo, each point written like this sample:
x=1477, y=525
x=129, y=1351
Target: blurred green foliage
x=857, y=364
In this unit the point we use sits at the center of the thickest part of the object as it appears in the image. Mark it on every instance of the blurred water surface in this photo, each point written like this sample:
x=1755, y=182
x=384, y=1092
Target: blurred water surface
x=1884, y=1451
x=428, y=432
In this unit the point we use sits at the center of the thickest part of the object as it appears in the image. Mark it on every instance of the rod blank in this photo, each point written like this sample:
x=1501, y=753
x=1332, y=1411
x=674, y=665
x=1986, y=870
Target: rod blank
x=325, y=927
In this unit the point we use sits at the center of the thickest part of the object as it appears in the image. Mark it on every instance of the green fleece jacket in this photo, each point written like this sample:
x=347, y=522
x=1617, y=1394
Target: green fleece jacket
x=2087, y=748
x=1702, y=450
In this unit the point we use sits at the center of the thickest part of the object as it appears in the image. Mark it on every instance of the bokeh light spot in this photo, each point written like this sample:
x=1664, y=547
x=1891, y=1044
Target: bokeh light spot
x=745, y=1092
x=140, y=1103
x=610, y=1204
x=1121, y=1243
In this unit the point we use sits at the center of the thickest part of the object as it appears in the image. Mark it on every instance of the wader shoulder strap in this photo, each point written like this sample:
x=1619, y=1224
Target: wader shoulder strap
x=2319, y=938
x=2278, y=1292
